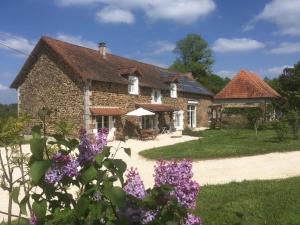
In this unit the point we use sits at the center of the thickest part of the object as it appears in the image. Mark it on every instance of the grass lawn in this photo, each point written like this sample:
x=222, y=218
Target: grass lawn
x=274, y=202
x=225, y=143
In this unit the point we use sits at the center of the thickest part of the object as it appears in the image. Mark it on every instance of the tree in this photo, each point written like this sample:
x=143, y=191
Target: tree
x=194, y=55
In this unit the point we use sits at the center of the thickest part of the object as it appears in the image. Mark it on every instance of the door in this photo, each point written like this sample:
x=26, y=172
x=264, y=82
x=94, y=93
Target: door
x=192, y=116
x=178, y=120
x=108, y=123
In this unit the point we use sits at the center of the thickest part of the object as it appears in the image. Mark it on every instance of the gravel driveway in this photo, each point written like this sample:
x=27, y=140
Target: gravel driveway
x=219, y=171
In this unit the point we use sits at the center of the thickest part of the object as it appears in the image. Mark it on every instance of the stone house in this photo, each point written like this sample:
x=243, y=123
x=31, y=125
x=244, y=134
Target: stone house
x=94, y=89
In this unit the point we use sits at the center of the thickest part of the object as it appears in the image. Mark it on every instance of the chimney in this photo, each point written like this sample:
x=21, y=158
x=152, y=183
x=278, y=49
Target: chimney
x=102, y=49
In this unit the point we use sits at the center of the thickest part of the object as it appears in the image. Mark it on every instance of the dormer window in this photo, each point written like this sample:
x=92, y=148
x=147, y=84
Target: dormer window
x=133, y=86
x=173, y=90
x=156, y=96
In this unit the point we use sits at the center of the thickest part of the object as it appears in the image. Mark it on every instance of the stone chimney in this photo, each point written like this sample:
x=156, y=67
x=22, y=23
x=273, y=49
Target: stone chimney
x=102, y=49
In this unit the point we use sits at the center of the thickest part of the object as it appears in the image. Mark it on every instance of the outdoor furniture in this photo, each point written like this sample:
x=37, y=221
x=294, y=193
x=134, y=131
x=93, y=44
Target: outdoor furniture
x=164, y=130
x=145, y=134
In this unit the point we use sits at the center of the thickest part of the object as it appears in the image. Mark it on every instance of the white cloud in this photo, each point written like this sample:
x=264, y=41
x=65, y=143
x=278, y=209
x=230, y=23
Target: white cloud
x=287, y=48
x=77, y=40
x=17, y=45
x=182, y=11
x=111, y=14
x=248, y=27
x=224, y=45
x=276, y=70
x=284, y=13
x=3, y=87
x=226, y=73
x=161, y=47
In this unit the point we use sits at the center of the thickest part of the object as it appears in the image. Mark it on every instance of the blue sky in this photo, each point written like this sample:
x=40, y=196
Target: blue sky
x=258, y=35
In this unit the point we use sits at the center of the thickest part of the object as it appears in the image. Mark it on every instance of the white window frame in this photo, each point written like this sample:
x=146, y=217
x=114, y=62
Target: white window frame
x=158, y=99
x=133, y=86
x=173, y=90
x=178, y=120
x=192, y=116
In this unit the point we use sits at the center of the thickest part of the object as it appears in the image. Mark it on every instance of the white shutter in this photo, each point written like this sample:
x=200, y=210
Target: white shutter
x=173, y=91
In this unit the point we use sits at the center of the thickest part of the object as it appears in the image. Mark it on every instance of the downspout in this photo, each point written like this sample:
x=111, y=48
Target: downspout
x=86, y=105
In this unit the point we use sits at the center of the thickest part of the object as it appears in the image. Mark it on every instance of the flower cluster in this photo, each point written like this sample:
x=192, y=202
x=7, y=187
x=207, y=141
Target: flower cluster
x=62, y=165
x=88, y=149
x=32, y=220
x=178, y=174
x=134, y=185
x=192, y=220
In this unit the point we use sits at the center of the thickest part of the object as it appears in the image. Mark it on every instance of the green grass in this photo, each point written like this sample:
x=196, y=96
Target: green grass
x=223, y=144
x=274, y=202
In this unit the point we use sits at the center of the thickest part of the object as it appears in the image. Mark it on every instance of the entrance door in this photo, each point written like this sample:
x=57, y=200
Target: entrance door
x=108, y=123
x=192, y=115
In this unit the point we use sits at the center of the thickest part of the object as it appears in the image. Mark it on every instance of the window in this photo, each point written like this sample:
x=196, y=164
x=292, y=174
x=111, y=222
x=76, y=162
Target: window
x=178, y=120
x=156, y=96
x=173, y=92
x=147, y=122
x=102, y=122
x=191, y=116
x=133, y=86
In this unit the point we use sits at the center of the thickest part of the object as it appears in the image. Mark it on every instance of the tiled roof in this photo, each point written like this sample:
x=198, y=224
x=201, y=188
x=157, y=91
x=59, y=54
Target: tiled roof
x=87, y=63
x=157, y=107
x=107, y=111
x=246, y=85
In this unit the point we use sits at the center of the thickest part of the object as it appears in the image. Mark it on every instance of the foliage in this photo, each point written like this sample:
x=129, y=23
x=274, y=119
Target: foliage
x=281, y=128
x=10, y=110
x=194, y=55
x=94, y=174
x=251, y=202
x=64, y=128
x=222, y=143
x=293, y=119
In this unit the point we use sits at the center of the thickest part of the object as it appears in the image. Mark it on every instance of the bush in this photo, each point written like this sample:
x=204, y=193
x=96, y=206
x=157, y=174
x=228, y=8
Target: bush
x=293, y=119
x=281, y=128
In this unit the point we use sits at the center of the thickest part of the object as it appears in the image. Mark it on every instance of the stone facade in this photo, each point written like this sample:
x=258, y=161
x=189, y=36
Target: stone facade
x=49, y=84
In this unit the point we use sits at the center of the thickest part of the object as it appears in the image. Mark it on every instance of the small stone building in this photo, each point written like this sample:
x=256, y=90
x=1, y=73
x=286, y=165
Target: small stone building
x=246, y=90
x=94, y=89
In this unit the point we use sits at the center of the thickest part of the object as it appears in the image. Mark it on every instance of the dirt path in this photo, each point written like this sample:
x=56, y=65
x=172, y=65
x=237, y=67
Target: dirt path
x=268, y=166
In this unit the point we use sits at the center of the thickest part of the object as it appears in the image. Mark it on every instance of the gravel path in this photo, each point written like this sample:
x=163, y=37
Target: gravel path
x=268, y=166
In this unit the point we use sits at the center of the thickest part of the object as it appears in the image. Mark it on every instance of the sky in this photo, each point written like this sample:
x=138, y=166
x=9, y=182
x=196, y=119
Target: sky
x=258, y=35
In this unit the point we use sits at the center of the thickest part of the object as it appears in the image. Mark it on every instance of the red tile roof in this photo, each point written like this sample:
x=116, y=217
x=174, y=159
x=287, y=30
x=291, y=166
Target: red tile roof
x=157, y=107
x=246, y=85
x=107, y=111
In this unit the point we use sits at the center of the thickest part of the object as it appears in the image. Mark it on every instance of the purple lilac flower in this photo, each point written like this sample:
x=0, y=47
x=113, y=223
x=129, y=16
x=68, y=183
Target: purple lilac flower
x=62, y=165
x=148, y=216
x=33, y=220
x=134, y=184
x=89, y=148
x=178, y=174
x=192, y=220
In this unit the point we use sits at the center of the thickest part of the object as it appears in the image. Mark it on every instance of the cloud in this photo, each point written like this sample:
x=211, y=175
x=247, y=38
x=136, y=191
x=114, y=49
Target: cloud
x=226, y=73
x=284, y=13
x=181, y=11
x=17, y=45
x=77, y=40
x=110, y=14
x=286, y=48
x=161, y=47
x=276, y=70
x=3, y=87
x=248, y=27
x=224, y=45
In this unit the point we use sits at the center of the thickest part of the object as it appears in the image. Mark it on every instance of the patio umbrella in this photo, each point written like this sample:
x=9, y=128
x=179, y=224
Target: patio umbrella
x=140, y=112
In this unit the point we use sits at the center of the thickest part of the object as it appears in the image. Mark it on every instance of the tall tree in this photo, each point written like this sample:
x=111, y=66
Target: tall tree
x=194, y=55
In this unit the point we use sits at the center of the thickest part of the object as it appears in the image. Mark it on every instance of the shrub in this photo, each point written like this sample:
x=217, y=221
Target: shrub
x=281, y=129
x=103, y=195
x=293, y=119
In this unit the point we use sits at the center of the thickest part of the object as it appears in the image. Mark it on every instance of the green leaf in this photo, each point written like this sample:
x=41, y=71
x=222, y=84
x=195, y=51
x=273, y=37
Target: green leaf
x=116, y=195
x=82, y=206
x=127, y=151
x=22, y=205
x=36, y=131
x=120, y=165
x=38, y=169
x=15, y=194
x=40, y=209
x=89, y=175
x=37, y=147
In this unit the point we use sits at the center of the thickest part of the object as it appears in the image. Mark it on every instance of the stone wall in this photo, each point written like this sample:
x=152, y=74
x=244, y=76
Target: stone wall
x=50, y=84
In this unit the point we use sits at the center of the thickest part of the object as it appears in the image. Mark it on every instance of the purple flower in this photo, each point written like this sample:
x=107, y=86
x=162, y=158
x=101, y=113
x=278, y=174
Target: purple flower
x=33, y=219
x=88, y=149
x=62, y=165
x=148, y=216
x=178, y=174
x=192, y=220
x=134, y=184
